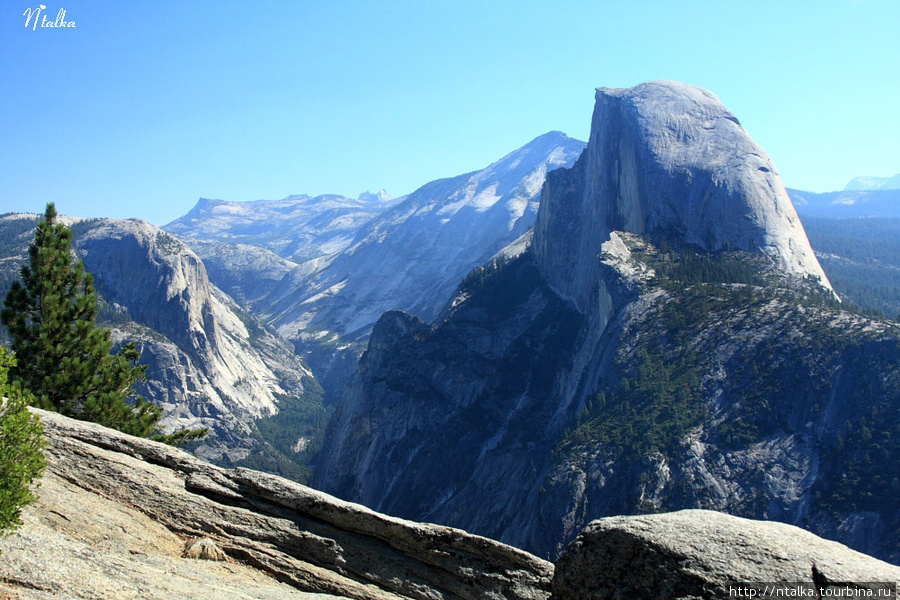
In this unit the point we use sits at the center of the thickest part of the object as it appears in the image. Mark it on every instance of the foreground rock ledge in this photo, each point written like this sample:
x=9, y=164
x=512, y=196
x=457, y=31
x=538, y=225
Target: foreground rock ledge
x=694, y=554
x=116, y=511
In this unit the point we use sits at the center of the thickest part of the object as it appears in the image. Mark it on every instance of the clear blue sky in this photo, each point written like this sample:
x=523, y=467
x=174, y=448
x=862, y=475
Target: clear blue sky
x=144, y=107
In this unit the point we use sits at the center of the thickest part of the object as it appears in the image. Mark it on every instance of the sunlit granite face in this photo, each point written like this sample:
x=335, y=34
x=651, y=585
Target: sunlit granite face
x=666, y=158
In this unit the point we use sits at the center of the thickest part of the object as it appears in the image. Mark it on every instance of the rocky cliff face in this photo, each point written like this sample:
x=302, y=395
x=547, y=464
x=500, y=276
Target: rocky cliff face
x=518, y=418
x=247, y=273
x=120, y=517
x=259, y=251
x=412, y=256
x=688, y=359
x=668, y=160
x=210, y=364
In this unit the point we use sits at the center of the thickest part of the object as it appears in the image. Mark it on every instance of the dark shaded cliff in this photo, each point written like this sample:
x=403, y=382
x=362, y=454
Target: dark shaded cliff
x=668, y=342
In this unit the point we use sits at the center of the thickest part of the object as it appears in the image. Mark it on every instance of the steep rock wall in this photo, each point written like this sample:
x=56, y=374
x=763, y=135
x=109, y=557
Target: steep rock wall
x=665, y=158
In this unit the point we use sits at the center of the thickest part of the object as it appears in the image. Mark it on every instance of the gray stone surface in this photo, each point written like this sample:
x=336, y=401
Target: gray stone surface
x=296, y=228
x=115, y=512
x=164, y=285
x=409, y=254
x=694, y=554
x=210, y=364
x=78, y=544
x=665, y=158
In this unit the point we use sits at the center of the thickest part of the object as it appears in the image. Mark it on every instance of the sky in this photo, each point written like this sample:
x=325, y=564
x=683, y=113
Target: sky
x=142, y=108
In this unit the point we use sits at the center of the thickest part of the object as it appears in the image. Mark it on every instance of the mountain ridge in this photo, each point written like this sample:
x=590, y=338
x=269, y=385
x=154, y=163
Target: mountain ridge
x=409, y=256
x=632, y=360
x=210, y=364
x=298, y=227
x=873, y=183
x=848, y=204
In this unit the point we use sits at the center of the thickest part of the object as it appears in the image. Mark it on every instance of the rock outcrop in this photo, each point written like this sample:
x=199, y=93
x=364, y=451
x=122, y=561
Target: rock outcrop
x=117, y=510
x=666, y=159
x=695, y=554
x=210, y=364
x=683, y=361
x=78, y=544
x=121, y=518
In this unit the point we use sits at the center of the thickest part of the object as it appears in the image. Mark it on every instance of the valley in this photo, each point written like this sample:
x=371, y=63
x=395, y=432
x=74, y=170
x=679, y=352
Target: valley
x=634, y=325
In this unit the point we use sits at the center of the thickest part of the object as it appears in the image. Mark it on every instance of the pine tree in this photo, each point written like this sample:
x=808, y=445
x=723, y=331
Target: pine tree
x=21, y=449
x=62, y=357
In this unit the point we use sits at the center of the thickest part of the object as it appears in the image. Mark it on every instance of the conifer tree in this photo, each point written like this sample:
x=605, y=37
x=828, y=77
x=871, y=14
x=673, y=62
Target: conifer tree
x=21, y=446
x=62, y=357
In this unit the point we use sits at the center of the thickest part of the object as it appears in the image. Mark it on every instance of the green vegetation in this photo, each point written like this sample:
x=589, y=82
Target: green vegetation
x=21, y=449
x=865, y=459
x=740, y=356
x=112, y=316
x=683, y=266
x=295, y=435
x=862, y=260
x=648, y=412
x=83, y=227
x=482, y=284
x=479, y=276
x=693, y=270
x=862, y=472
x=167, y=243
x=255, y=330
x=865, y=239
x=658, y=396
x=62, y=357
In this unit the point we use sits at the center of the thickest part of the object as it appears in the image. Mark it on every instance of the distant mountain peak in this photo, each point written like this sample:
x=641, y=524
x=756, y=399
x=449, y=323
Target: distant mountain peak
x=414, y=253
x=868, y=183
x=297, y=228
x=381, y=196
